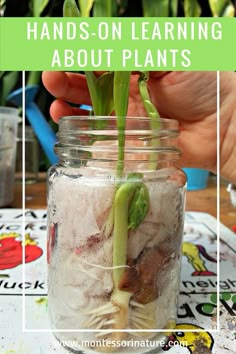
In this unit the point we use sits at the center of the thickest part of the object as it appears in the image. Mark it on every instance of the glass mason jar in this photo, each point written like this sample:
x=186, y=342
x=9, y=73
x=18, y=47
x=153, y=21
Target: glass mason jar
x=115, y=222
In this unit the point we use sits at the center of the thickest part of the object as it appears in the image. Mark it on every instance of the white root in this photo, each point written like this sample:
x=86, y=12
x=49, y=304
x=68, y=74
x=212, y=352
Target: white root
x=136, y=304
x=136, y=314
x=88, y=273
x=101, y=334
x=108, y=312
x=100, y=325
x=100, y=309
x=89, y=320
x=140, y=317
x=109, y=322
x=102, y=267
x=141, y=322
x=92, y=322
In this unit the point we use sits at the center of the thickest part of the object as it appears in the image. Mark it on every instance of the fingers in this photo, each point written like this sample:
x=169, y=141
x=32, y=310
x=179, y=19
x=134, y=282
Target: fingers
x=159, y=74
x=184, y=95
x=72, y=87
x=69, y=87
x=60, y=109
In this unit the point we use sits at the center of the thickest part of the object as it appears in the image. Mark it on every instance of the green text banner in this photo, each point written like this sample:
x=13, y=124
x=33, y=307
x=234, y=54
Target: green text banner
x=117, y=44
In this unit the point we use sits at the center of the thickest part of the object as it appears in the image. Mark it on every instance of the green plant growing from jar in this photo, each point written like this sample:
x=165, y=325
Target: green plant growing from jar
x=121, y=277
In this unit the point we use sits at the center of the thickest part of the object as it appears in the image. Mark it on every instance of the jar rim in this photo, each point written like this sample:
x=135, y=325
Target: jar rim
x=142, y=118
x=90, y=135
x=71, y=124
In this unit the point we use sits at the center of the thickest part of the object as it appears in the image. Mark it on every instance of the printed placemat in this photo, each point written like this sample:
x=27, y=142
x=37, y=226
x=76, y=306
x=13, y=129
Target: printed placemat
x=197, y=302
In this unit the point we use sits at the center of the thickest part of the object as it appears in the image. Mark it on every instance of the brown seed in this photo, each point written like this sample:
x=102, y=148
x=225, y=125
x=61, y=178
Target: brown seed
x=145, y=278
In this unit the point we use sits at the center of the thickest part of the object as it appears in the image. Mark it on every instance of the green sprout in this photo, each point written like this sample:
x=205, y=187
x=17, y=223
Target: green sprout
x=121, y=98
x=110, y=92
x=152, y=114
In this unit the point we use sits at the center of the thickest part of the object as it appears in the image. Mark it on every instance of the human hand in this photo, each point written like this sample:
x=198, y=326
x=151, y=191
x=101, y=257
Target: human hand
x=189, y=97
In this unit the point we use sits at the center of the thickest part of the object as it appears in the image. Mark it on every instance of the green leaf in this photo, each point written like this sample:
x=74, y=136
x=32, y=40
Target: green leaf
x=173, y=8
x=121, y=99
x=138, y=207
x=123, y=201
x=121, y=92
x=152, y=113
x=92, y=82
x=158, y=8
x=85, y=7
x=34, y=78
x=148, y=105
x=229, y=11
x=139, y=204
x=222, y=8
x=101, y=93
x=192, y=8
x=102, y=8
x=104, y=88
x=39, y=6
x=70, y=9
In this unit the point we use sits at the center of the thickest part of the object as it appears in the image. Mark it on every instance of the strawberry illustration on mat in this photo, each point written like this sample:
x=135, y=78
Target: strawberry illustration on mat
x=11, y=250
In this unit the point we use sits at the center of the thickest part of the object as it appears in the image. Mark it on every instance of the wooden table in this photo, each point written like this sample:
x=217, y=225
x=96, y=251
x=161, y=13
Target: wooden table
x=203, y=200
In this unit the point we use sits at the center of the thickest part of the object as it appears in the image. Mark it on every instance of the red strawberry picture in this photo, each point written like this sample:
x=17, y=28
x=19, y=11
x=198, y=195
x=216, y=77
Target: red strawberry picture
x=11, y=251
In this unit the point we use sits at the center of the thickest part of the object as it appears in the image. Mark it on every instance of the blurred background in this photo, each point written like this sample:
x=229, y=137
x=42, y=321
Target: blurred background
x=128, y=8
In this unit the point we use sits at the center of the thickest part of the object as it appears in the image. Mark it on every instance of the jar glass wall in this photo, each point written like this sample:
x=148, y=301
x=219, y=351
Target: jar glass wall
x=114, y=233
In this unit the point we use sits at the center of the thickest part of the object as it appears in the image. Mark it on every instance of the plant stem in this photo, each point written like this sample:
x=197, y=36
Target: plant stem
x=70, y=9
x=158, y=8
x=152, y=113
x=192, y=8
x=85, y=7
x=123, y=198
x=34, y=78
x=102, y=8
x=101, y=93
x=121, y=98
x=121, y=299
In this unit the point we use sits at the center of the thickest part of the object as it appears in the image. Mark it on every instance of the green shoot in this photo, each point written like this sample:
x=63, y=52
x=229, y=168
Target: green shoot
x=158, y=8
x=173, y=8
x=192, y=8
x=39, y=6
x=123, y=198
x=121, y=98
x=148, y=105
x=101, y=92
x=103, y=8
x=131, y=205
x=70, y=9
x=139, y=205
x=131, y=201
x=223, y=8
x=85, y=7
x=151, y=112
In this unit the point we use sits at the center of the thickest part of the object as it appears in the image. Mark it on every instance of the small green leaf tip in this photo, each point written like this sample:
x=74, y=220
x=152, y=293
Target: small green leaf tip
x=70, y=9
x=139, y=204
x=139, y=207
